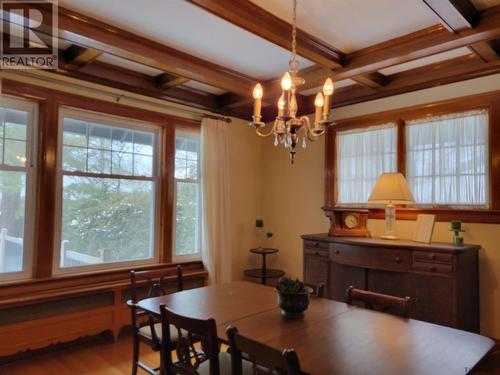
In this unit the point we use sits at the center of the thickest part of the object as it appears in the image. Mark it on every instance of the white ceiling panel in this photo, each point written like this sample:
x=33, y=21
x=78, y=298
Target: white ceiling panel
x=188, y=28
x=350, y=25
x=426, y=61
x=126, y=64
x=485, y=4
x=336, y=84
x=203, y=87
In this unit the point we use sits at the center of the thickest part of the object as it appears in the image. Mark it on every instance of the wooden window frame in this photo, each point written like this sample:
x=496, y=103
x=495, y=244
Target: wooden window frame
x=49, y=102
x=489, y=101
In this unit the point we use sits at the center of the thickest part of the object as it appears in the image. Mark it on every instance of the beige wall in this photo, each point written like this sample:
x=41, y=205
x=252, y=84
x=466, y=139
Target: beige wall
x=245, y=200
x=292, y=197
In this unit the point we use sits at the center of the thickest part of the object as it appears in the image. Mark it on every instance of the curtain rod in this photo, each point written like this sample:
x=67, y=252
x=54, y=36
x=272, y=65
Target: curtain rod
x=222, y=118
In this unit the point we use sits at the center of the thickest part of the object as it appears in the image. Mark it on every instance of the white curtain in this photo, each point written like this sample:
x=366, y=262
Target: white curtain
x=216, y=249
x=446, y=159
x=362, y=156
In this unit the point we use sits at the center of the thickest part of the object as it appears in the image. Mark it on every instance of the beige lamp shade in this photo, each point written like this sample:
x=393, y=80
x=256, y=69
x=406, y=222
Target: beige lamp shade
x=391, y=188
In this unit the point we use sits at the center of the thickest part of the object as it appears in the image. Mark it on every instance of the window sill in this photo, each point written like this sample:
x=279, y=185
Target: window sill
x=41, y=290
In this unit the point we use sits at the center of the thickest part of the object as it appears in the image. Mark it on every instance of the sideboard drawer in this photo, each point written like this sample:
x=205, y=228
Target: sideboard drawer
x=319, y=253
x=439, y=269
x=316, y=244
x=420, y=256
x=384, y=259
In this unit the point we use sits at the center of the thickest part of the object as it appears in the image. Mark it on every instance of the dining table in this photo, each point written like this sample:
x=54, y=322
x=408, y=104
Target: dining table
x=332, y=337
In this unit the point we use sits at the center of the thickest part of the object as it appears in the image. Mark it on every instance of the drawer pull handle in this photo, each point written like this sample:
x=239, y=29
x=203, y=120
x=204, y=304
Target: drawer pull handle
x=337, y=251
x=397, y=260
x=316, y=253
x=432, y=268
x=432, y=256
x=316, y=244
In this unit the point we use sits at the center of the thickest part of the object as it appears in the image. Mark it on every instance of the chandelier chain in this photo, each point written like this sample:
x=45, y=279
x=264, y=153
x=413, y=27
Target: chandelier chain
x=294, y=30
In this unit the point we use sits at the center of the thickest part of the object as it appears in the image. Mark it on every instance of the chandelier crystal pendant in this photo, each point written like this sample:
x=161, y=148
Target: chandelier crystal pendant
x=287, y=125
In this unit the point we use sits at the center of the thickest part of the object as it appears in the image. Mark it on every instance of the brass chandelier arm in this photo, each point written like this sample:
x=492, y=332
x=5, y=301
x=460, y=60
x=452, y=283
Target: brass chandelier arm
x=271, y=131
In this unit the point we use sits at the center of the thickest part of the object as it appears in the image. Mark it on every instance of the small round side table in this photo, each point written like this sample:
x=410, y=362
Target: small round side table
x=264, y=273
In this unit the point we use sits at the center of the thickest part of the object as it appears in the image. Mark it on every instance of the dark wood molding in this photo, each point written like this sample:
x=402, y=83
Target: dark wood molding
x=488, y=100
x=419, y=44
x=79, y=56
x=455, y=15
x=437, y=74
x=251, y=17
x=90, y=33
x=374, y=80
x=487, y=51
x=166, y=81
x=128, y=80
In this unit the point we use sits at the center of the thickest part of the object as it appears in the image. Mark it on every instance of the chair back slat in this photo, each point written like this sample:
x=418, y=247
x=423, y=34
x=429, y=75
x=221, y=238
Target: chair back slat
x=155, y=280
x=273, y=360
x=387, y=303
x=189, y=331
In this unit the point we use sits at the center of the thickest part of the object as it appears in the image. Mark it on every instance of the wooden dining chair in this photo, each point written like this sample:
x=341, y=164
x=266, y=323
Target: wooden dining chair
x=318, y=289
x=191, y=361
x=145, y=327
x=266, y=360
x=385, y=302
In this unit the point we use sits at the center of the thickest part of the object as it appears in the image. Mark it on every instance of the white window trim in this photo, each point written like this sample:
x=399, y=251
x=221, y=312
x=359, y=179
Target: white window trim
x=195, y=256
x=31, y=155
x=122, y=122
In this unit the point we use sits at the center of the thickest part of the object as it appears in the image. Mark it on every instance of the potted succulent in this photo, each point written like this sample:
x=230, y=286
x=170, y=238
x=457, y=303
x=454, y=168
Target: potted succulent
x=293, y=297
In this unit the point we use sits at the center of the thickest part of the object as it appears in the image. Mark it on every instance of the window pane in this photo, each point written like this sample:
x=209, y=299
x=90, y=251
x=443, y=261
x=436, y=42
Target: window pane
x=109, y=150
x=188, y=195
x=187, y=218
x=447, y=159
x=362, y=156
x=100, y=137
x=106, y=220
x=15, y=153
x=123, y=163
x=12, y=220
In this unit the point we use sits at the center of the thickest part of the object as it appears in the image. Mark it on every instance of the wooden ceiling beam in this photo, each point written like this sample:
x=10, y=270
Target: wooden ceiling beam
x=249, y=16
x=124, y=79
x=455, y=15
x=167, y=81
x=459, y=15
x=445, y=72
x=80, y=56
x=420, y=44
x=96, y=35
x=487, y=51
x=374, y=80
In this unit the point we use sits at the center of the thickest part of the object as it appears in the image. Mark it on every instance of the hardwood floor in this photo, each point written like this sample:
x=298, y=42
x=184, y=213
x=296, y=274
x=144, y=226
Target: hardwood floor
x=115, y=359
x=95, y=359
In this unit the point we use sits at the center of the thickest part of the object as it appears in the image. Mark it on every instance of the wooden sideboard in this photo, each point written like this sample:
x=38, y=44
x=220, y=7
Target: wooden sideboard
x=442, y=280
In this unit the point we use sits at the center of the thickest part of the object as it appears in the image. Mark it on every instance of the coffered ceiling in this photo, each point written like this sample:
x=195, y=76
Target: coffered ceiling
x=210, y=53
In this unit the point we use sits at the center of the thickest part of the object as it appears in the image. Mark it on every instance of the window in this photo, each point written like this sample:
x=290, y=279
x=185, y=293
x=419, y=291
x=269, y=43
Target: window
x=362, y=156
x=187, y=195
x=109, y=184
x=446, y=159
x=16, y=187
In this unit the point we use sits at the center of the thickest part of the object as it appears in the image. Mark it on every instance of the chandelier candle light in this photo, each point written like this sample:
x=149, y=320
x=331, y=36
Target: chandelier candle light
x=287, y=125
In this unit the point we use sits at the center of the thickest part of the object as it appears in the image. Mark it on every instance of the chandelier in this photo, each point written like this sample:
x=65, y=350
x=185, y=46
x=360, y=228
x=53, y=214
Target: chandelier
x=287, y=125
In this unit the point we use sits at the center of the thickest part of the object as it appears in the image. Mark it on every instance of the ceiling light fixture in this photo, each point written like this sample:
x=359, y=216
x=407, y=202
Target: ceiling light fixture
x=287, y=125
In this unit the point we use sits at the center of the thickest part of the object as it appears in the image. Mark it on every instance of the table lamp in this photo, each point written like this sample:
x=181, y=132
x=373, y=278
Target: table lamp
x=391, y=189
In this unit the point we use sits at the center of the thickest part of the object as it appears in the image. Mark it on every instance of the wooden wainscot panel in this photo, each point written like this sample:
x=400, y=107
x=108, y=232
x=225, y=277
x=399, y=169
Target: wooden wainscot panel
x=40, y=333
